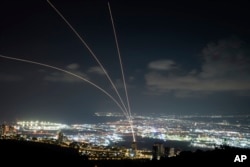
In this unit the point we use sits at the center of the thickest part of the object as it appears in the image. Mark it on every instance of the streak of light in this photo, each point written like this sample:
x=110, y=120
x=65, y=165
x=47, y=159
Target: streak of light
x=123, y=77
x=91, y=52
x=70, y=73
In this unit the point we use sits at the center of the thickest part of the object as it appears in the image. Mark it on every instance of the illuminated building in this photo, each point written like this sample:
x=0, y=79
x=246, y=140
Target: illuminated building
x=3, y=129
x=37, y=125
x=7, y=130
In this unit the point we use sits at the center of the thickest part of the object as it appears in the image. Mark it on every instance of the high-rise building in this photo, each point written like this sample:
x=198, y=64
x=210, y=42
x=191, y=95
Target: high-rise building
x=60, y=137
x=158, y=151
x=7, y=130
x=134, y=146
x=171, y=152
x=2, y=129
x=133, y=150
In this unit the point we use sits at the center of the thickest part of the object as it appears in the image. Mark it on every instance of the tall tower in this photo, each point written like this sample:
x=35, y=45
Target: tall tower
x=60, y=137
x=3, y=129
x=134, y=145
x=133, y=149
x=158, y=151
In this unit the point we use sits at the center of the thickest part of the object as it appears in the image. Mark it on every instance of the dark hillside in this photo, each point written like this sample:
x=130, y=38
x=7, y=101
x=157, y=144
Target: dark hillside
x=34, y=153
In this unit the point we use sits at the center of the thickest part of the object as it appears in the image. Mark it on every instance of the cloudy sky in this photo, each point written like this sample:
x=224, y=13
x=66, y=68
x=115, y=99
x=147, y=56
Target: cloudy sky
x=177, y=57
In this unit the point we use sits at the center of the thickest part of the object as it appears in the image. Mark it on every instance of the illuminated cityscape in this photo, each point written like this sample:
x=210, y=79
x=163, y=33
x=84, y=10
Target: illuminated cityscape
x=101, y=140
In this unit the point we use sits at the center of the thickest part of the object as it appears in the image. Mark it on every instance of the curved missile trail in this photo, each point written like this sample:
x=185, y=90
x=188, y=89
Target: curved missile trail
x=123, y=76
x=127, y=109
x=70, y=73
x=119, y=54
x=91, y=52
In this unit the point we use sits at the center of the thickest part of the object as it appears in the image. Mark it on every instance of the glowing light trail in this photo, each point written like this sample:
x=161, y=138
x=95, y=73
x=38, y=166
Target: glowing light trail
x=123, y=76
x=91, y=52
x=70, y=73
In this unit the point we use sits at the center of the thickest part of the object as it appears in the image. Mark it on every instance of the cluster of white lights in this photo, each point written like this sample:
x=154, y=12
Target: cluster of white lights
x=36, y=125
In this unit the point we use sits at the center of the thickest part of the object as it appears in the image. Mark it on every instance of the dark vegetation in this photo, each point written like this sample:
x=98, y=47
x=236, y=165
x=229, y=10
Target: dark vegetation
x=25, y=153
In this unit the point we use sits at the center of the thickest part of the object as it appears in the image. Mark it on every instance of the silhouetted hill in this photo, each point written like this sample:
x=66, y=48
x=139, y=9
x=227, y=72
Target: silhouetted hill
x=27, y=152
x=224, y=155
x=32, y=154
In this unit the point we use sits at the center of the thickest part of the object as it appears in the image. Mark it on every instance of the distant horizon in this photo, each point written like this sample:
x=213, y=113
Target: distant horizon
x=105, y=118
x=123, y=117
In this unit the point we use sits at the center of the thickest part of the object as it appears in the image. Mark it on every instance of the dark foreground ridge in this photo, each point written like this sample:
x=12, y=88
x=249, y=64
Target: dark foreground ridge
x=33, y=153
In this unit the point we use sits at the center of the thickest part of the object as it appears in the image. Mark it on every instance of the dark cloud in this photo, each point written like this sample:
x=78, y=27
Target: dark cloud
x=162, y=65
x=73, y=66
x=65, y=77
x=96, y=70
x=225, y=67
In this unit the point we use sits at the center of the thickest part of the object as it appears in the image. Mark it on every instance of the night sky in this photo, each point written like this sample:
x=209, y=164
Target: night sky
x=180, y=57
